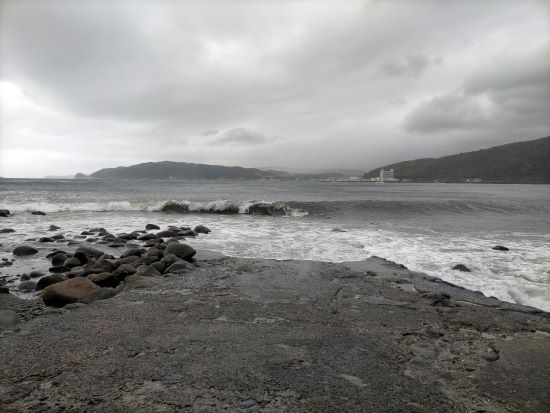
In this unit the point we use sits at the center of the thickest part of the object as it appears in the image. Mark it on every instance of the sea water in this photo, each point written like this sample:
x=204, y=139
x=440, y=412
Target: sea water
x=427, y=227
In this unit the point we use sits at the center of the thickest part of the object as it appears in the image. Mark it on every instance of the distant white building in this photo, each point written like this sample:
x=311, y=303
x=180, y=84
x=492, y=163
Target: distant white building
x=387, y=175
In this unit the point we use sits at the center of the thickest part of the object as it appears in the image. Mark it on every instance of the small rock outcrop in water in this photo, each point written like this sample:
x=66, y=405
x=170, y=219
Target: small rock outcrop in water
x=201, y=229
x=22, y=250
x=149, y=227
x=6, y=230
x=4, y=212
x=500, y=248
x=461, y=267
x=38, y=213
x=68, y=291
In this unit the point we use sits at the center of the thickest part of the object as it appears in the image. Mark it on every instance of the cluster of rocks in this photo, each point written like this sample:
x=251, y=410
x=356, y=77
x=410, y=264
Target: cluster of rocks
x=89, y=273
x=6, y=213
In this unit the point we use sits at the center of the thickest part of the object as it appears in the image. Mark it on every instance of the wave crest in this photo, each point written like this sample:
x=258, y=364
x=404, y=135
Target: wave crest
x=231, y=207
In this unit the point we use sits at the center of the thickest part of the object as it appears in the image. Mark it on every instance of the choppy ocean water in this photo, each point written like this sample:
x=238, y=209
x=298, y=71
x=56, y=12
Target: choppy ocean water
x=427, y=227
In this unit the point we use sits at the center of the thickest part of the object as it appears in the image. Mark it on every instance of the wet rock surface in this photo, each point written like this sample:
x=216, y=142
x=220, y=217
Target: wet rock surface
x=261, y=335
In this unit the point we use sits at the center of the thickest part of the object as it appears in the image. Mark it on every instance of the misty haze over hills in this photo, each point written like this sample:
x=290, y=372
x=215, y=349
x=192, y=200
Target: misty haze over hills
x=520, y=162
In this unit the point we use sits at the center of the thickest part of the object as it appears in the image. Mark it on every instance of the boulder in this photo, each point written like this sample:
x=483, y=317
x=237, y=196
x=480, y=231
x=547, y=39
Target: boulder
x=106, y=264
x=116, y=245
x=169, y=259
x=155, y=252
x=183, y=251
x=58, y=236
x=152, y=242
x=45, y=239
x=150, y=227
x=100, y=294
x=53, y=228
x=127, y=260
x=104, y=279
x=26, y=286
x=187, y=233
x=461, y=267
x=59, y=269
x=68, y=291
x=56, y=251
x=4, y=212
x=179, y=267
x=132, y=252
x=80, y=256
x=75, y=273
x=124, y=270
x=159, y=266
x=500, y=248
x=92, y=267
x=125, y=236
x=150, y=260
x=6, y=230
x=22, y=250
x=36, y=274
x=138, y=281
x=72, y=262
x=49, y=280
x=147, y=237
x=147, y=271
x=59, y=259
x=89, y=252
x=166, y=234
x=38, y=213
x=24, y=277
x=201, y=229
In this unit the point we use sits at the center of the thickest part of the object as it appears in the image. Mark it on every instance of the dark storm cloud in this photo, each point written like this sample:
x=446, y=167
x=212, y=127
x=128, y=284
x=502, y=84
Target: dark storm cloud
x=446, y=112
x=514, y=98
x=351, y=84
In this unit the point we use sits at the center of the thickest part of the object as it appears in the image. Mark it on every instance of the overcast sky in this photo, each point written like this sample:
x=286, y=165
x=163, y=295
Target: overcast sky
x=298, y=85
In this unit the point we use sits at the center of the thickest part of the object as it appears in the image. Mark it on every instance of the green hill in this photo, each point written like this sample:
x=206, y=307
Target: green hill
x=184, y=170
x=519, y=162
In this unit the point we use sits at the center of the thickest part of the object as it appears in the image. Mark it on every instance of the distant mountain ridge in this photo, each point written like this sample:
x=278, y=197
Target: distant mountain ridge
x=184, y=170
x=518, y=162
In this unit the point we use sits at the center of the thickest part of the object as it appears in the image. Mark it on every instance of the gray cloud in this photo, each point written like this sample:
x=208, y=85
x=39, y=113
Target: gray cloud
x=510, y=100
x=242, y=136
x=413, y=65
x=347, y=84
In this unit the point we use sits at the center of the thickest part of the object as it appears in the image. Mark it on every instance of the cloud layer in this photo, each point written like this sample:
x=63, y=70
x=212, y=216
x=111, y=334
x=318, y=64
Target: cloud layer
x=300, y=85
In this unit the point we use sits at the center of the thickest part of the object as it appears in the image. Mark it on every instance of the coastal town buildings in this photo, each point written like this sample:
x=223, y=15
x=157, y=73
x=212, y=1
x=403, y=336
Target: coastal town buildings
x=387, y=175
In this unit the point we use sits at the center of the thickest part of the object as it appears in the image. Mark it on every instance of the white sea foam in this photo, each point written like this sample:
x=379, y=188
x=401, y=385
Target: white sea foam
x=182, y=206
x=521, y=275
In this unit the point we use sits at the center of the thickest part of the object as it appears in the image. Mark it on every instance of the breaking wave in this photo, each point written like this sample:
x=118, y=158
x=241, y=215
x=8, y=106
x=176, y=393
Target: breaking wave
x=231, y=207
x=298, y=208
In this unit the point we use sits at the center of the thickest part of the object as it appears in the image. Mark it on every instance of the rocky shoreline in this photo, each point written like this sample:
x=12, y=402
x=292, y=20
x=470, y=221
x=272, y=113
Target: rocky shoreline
x=162, y=327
